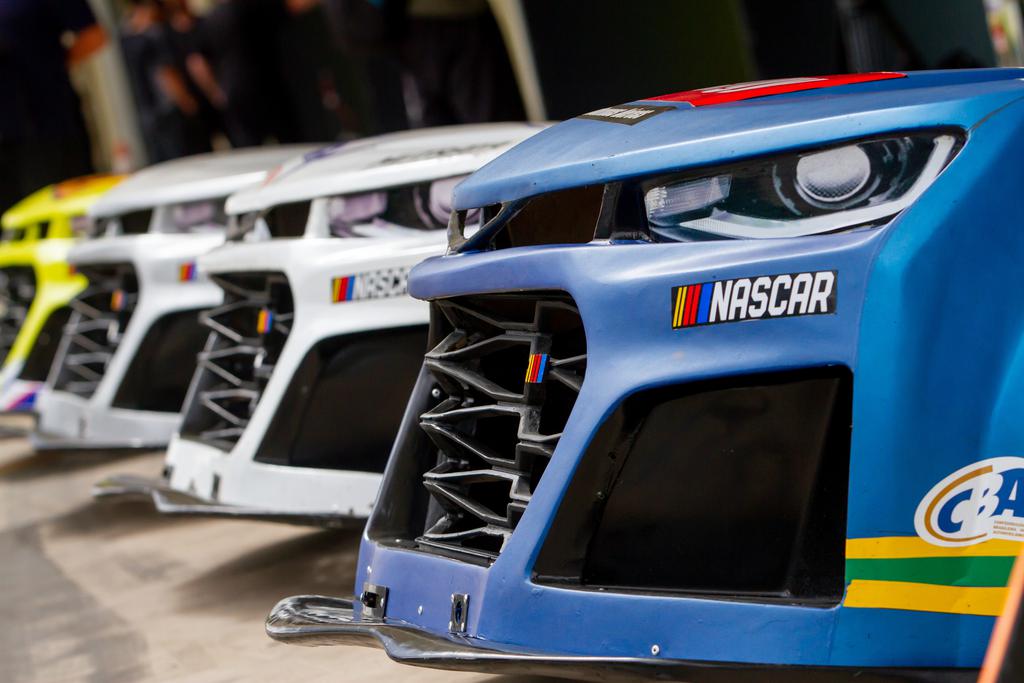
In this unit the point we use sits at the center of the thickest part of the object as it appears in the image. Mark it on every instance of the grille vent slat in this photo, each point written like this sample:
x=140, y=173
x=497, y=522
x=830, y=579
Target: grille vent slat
x=239, y=358
x=494, y=431
x=99, y=317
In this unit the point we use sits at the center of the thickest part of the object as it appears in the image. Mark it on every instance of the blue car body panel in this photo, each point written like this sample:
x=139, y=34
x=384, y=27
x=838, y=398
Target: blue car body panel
x=580, y=152
x=928, y=318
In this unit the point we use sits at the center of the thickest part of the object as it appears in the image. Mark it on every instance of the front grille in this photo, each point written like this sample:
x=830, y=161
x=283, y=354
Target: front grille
x=17, y=290
x=507, y=376
x=99, y=318
x=248, y=333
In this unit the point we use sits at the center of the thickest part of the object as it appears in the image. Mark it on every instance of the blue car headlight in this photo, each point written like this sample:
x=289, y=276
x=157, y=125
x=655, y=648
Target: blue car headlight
x=807, y=192
x=803, y=193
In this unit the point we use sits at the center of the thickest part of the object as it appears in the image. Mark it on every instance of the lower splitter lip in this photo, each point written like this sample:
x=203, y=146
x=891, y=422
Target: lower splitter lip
x=170, y=501
x=319, y=620
x=43, y=441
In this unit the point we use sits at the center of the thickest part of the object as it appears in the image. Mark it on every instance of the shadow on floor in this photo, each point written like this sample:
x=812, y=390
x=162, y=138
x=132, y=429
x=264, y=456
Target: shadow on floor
x=249, y=585
x=110, y=519
x=14, y=425
x=34, y=465
x=55, y=630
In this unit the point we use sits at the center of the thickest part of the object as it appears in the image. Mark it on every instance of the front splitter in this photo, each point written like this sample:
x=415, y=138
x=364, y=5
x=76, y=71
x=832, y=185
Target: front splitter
x=170, y=501
x=318, y=620
x=42, y=441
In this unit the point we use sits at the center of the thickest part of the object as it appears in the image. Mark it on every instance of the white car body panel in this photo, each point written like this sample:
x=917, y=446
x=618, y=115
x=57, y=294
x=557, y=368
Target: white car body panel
x=68, y=420
x=223, y=481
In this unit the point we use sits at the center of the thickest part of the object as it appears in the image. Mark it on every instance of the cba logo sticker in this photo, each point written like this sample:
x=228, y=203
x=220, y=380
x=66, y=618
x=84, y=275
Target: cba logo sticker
x=376, y=284
x=982, y=501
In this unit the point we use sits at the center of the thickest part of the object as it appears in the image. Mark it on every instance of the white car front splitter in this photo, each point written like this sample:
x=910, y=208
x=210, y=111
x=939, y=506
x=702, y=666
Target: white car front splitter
x=236, y=481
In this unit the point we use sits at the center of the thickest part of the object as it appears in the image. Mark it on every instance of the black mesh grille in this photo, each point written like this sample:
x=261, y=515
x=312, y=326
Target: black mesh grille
x=239, y=357
x=494, y=429
x=44, y=350
x=99, y=318
x=17, y=289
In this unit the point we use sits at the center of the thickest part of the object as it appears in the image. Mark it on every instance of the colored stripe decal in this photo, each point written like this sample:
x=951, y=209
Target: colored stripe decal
x=342, y=288
x=535, y=368
x=705, y=303
x=892, y=547
x=695, y=299
x=690, y=291
x=265, y=321
x=691, y=304
x=26, y=400
x=978, y=572
x=677, y=317
x=736, y=92
x=187, y=272
x=921, y=597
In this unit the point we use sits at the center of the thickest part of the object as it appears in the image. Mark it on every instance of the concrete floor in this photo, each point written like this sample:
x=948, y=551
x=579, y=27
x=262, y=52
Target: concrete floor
x=114, y=592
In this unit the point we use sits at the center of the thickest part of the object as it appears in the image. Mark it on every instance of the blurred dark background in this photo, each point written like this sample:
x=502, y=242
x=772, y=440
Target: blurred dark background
x=116, y=84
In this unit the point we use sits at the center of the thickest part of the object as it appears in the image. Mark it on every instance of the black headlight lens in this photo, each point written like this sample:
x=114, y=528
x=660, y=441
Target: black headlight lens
x=809, y=192
x=799, y=194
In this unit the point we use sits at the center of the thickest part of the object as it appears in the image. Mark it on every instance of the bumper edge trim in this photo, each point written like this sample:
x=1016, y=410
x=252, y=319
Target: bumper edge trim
x=314, y=620
x=42, y=441
x=170, y=501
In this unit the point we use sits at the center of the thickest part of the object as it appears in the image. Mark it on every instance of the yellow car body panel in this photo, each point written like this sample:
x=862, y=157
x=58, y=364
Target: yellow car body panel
x=27, y=244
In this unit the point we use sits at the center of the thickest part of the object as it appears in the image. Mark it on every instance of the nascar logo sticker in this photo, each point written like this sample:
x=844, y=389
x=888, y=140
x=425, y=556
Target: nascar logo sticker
x=981, y=501
x=187, y=272
x=117, y=300
x=265, y=321
x=754, y=298
x=376, y=284
x=536, y=367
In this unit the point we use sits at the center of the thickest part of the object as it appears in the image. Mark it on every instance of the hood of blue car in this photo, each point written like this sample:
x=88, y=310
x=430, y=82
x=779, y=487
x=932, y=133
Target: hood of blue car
x=724, y=124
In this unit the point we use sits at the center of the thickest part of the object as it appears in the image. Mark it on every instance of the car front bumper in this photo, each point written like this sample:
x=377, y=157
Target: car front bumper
x=237, y=478
x=170, y=501
x=314, y=620
x=67, y=421
x=70, y=421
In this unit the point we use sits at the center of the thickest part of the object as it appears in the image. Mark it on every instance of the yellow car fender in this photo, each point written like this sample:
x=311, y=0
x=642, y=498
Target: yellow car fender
x=38, y=232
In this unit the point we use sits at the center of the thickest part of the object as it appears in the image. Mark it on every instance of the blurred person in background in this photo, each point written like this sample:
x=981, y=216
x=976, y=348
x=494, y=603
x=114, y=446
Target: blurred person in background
x=184, y=29
x=369, y=35
x=241, y=41
x=43, y=138
x=447, y=55
x=168, y=103
x=458, y=67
